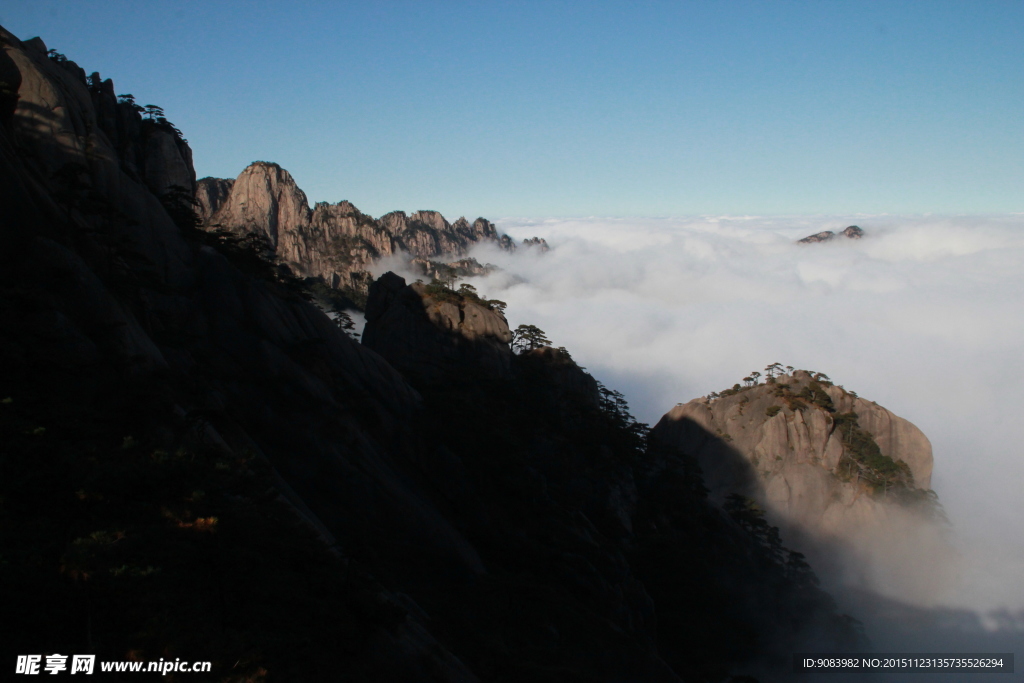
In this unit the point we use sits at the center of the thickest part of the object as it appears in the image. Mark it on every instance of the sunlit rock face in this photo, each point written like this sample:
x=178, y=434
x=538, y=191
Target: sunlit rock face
x=335, y=242
x=831, y=468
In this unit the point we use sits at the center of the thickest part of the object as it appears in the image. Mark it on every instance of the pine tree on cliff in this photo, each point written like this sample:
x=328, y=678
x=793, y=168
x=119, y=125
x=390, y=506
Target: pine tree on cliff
x=528, y=338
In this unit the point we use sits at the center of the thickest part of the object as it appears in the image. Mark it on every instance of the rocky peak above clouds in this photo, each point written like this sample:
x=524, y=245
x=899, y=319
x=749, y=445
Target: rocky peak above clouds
x=335, y=242
x=825, y=464
x=853, y=232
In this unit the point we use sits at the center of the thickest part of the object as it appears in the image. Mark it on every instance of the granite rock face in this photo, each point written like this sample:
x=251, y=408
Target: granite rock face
x=538, y=242
x=91, y=151
x=788, y=444
x=211, y=193
x=335, y=242
x=803, y=434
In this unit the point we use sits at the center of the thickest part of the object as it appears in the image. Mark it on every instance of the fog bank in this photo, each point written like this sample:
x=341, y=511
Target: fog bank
x=923, y=315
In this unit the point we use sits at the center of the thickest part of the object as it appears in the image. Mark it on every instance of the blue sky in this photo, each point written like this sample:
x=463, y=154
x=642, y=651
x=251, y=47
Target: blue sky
x=552, y=108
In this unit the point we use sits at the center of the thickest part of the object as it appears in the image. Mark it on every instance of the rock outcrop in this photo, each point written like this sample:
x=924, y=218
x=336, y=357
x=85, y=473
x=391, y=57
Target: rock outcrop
x=435, y=335
x=538, y=242
x=852, y=232
x=334, y=242
x=827, y=465
x=211, y=193
x=783, y=426
x=452, y=270
x=83, y=114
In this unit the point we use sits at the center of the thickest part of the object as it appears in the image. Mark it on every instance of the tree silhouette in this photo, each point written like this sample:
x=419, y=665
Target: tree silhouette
x=180, y=205
x=129, y=99
x=751, y=518
x=528, y=338
x=344, y=321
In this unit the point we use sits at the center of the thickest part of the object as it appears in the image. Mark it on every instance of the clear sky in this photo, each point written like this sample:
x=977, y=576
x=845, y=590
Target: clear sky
x=581, y=108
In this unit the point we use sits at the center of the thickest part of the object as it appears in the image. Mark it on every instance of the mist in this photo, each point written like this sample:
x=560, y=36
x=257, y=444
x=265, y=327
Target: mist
x=923, y=315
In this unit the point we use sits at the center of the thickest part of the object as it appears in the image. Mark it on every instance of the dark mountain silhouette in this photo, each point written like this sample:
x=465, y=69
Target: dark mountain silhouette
x=197, y=462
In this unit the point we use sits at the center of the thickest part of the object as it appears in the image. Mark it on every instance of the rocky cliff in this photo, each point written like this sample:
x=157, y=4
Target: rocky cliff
x=334, y=242
x=434, y=335
x=826, y=464
x=198, y=463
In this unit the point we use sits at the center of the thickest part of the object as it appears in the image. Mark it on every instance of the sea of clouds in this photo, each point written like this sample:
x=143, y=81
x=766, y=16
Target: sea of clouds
x=923, y=315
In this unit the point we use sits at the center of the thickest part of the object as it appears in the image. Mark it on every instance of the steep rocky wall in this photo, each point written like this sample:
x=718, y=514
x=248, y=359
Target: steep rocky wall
x=211, y=193
x=335, y=242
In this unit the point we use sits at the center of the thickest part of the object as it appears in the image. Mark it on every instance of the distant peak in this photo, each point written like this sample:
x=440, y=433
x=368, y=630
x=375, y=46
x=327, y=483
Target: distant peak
x=853, y=232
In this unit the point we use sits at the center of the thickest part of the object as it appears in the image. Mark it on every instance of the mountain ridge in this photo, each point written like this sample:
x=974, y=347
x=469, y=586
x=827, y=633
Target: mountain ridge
x=336, y=243
x=199, y=463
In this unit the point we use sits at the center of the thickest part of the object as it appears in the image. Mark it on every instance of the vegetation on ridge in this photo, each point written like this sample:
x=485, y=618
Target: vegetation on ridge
x=862, y=458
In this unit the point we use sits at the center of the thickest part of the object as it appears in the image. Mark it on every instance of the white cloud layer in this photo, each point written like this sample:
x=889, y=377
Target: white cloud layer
x=923, y=315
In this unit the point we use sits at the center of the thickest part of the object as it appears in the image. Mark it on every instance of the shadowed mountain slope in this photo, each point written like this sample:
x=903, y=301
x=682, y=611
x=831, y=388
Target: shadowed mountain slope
x=196, y=462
